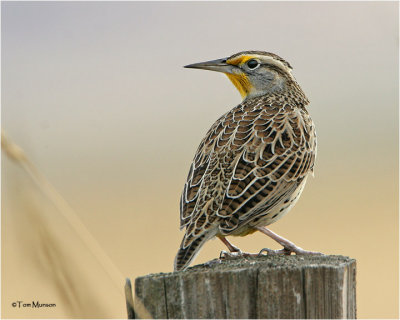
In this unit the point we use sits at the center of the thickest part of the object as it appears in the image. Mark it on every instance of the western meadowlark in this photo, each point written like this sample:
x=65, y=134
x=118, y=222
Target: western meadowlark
x=253, y=163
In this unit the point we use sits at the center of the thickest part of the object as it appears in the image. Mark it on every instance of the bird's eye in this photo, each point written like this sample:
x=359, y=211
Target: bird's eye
x=253, y=63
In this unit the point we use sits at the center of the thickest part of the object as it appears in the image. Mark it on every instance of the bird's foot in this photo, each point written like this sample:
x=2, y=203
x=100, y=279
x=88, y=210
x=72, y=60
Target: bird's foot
x=283, y=251
x=236, y=254
x=288, y=246
x=225, y=255
x=291, y=247
x=300, y=251
x=288, y=251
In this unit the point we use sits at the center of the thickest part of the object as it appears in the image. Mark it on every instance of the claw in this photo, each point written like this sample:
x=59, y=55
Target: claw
x=228, y=255
x=223, y=254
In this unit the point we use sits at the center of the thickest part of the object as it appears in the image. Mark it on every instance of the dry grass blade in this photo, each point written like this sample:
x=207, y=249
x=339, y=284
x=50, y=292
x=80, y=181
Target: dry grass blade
x=135, y=307
x=15, y=153
x=77, y=295
x=129, y=299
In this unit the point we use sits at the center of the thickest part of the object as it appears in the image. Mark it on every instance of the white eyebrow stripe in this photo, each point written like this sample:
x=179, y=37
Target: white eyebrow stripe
x=274, y=62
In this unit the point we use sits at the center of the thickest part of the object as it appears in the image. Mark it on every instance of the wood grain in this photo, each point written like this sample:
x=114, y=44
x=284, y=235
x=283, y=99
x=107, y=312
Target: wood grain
x=280, y=287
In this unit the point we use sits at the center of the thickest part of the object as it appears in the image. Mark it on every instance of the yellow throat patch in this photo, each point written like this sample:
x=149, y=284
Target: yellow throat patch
x=240, y=81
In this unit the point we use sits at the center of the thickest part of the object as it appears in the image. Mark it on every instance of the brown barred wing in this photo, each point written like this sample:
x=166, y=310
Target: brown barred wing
x=202, y=196
x=273, y=163
x=194, y=188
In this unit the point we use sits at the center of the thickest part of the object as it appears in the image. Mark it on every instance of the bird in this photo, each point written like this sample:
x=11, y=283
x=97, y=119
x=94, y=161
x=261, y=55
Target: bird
x=253, y=163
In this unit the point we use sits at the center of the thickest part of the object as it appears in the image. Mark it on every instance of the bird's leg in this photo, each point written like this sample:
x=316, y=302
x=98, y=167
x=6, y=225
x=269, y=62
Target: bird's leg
x=234, y=251
x=230, y=246
x=288, y=247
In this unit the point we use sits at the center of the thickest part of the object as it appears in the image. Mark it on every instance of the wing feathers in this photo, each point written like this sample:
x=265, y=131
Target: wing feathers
x=251, y=158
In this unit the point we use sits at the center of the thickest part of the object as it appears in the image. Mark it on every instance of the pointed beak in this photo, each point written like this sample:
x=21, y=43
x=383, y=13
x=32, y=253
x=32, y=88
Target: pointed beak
x=218, y=65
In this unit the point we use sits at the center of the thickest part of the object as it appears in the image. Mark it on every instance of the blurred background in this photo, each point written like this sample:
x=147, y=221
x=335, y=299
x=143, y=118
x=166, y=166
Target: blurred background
x=96, y=96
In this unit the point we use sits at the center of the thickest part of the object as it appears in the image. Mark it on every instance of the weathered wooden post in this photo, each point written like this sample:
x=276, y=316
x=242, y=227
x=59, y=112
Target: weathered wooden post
x=302, y=287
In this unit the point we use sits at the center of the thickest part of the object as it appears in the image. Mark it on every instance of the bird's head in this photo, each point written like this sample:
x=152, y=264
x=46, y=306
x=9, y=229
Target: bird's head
x=254, y=73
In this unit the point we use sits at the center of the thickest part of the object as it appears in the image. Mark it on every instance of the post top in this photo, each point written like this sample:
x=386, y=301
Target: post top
x=264, y=262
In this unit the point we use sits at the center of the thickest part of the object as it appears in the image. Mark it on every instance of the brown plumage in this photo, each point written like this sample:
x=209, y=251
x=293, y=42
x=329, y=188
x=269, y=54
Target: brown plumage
x=252, y=165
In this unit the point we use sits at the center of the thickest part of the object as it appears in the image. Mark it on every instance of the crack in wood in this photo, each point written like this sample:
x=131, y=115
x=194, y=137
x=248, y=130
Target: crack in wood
x=263, y=287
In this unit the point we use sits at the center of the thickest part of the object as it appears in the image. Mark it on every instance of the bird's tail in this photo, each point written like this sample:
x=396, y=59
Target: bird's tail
x=187, y=253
